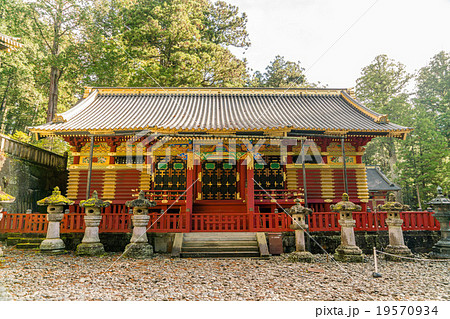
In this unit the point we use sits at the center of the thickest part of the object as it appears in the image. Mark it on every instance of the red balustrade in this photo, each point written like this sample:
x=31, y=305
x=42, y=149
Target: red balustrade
x=226, y=222
x=115, y=220
x=419, y=221
x=323, y=221
x=272, y=222
x=165, y=223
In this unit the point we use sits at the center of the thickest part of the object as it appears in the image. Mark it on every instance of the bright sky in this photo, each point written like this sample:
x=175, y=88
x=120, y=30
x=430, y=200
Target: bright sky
x=408, y=31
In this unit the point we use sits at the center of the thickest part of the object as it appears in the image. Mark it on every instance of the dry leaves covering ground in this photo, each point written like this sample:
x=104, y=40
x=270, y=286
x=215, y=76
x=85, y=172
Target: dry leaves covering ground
x=28, y=275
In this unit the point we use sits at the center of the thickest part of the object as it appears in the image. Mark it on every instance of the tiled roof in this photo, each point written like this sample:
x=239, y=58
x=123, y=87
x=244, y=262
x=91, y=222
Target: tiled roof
x=183, y=109
x=377, y=181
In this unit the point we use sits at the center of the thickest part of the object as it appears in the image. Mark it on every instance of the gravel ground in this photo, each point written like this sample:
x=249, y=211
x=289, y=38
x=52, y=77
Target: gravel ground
x=27, y=275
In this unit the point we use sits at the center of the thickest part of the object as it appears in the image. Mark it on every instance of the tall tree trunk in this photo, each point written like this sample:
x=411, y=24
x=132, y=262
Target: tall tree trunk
x=55, y=74
x=392, y=159
x=3, y=103
x=418, y=197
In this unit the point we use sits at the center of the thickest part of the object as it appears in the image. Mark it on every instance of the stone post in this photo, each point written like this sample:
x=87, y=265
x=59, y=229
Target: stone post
x=347, y=250
x=441, y=206
x=396, y=242
x=91, y=245
x=4, y=199
x=139, y=246
x=299, y=214
x=55, y=203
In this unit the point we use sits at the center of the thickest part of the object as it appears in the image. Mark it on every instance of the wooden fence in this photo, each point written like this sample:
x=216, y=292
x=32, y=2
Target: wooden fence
x=32, y=153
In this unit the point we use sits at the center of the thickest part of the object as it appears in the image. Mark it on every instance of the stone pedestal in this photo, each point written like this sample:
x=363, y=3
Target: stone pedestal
x=91, y=245
x=396, y=242
x=298, y=214
x=53, y=244
x=441, y=206
x=55, y=203
x=442, y=248
x=139, y=246
x=347, y=250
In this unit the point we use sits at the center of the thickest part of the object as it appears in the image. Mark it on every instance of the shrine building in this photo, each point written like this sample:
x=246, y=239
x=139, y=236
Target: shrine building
x=219, y=159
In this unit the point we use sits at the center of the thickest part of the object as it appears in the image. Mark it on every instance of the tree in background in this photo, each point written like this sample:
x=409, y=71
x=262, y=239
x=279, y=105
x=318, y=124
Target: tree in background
x=280, y=73
x=433, y=91
x=424, y=160
x=21, y=94
x=383, y=88
x=69, y=44
x=56, y=23
x=165, y=43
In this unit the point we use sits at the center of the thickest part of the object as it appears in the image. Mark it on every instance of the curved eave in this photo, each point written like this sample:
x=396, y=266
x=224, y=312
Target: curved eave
x=269, y=131
x=378, y=118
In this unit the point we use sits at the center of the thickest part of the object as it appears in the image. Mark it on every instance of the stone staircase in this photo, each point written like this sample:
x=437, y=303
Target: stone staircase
x=24, y=242
x=220, y=244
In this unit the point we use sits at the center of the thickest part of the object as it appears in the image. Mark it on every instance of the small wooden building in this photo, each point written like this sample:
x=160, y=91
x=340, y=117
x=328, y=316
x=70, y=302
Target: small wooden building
x=235, y=153
x=379, y=186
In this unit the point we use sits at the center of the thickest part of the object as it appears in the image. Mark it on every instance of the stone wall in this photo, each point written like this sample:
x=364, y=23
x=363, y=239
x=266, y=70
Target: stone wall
x=418, y=241
x=29, y=181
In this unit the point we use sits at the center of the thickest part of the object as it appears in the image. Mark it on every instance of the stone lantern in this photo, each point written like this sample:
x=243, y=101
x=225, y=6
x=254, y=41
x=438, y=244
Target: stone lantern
x=441, y=207
x=347, y=250
x=396, y=242
x=299, y=215
x=55, y=203
x=91, y=245
x=139, y=246
x=4, y=199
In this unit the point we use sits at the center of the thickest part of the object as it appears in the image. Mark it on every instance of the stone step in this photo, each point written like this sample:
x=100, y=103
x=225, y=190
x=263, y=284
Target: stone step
x=27, y=246
x=12, y=241
x=220, y=244
x=220, y=235
x=31, y=240
x=228, y=254
x=227, y=243
x=189, y=249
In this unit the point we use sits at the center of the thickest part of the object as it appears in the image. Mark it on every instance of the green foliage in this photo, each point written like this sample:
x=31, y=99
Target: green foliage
x=21, y=136
x=382, y=87
x=165, y=43
x=433, y=91
x=69, y=44
x=54, y=144
x=280, y=73
x=421, y=162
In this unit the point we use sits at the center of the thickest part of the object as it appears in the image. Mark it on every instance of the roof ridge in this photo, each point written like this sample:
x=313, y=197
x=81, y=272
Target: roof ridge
x=214, y=90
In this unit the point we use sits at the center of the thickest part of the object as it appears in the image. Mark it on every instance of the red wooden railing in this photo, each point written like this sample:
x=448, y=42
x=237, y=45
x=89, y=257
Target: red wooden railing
x=116, y=221
x=230, y=222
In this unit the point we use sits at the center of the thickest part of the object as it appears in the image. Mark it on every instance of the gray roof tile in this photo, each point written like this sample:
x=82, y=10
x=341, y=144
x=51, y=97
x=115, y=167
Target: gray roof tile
x=200, y=110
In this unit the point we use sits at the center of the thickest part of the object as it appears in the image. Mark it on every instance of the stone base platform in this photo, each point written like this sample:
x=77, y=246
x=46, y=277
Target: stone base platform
x=90, y=249
x=301, y=256
x=401, y=251
x=53, y=246
x=138, y=250
x=349, y=254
